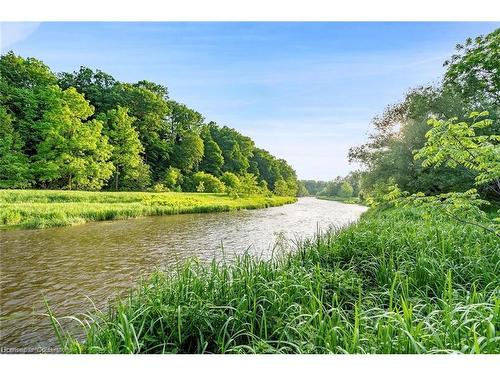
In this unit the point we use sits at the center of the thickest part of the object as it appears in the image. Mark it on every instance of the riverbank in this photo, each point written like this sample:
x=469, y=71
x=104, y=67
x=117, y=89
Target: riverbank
x=351, y=200
x=51, y=208
x=392, y=283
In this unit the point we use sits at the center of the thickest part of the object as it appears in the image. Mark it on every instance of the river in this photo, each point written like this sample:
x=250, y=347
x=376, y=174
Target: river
x=72, y=266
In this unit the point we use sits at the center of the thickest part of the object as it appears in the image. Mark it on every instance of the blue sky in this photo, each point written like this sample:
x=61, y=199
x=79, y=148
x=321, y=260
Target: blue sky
x=304, y=91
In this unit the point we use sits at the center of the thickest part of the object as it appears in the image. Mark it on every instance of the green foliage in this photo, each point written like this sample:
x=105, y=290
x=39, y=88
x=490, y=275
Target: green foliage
x=200, y=187
x=471, y=84
x=182, y=120
x=53, y=208
x=188, y=152
x=464, y=207
x=207, y=183
x=267, y=166
x=314, y=187
x=382, y=194
x=159, y=188
x=26, y=91
x=281, y=188
x=231, y=182
x=130, y=169
x=431, y=127
x=401, y=130
x=264, y=189
x=173, y=179
x=249, y=185
x=302, y=189
x=149, y=133
x=99, y=88
x=150, y=110
x=74, y=153
x=341, y=187
x=237, y=162
x=14, y=165
x=212, y=160
x=346, y=190
x=474, y=70
x=457, y=143
x=392, y=283
x=236, y=148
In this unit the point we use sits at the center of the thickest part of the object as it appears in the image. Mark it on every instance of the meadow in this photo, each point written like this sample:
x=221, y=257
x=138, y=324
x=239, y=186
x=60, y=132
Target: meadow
x=50, y=208
x=395, y=282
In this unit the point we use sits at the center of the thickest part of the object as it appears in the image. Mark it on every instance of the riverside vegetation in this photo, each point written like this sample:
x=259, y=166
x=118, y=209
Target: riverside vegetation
x=87, y=131
x=417, y=274
x=42, y=209
x=392, y=283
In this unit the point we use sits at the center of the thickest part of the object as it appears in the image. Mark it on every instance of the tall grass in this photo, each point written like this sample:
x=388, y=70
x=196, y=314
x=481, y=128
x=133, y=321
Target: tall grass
x=46, y=208
x=392, y=283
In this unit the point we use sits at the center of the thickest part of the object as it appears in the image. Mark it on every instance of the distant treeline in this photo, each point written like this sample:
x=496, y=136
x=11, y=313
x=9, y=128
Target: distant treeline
x=342, y=187
x=86, y=130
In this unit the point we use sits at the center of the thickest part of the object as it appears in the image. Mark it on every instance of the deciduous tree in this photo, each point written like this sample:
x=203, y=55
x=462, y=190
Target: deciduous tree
x=129, y=168
x=73, y=152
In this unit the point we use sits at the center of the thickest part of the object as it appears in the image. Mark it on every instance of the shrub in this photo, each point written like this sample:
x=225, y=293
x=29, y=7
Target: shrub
x=173, y=178
x=210, y=184
x=248, y=184
x=231, y=181
x=159, y=188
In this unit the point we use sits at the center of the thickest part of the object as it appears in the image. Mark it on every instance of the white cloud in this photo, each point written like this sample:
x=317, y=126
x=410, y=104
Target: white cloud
x=15, y=32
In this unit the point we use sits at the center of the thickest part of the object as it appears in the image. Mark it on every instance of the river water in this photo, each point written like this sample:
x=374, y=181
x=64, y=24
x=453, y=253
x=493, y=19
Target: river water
x=74, y=267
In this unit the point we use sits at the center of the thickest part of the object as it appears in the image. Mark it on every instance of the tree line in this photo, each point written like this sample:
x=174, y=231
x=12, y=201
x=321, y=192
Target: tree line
x=391, y=157
x=86, y=130
x=471, y=86
x=341, y=187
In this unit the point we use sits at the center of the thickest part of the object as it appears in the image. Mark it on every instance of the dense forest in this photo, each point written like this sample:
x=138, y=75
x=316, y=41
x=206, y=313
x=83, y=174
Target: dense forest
x=390, y=158
x=88, y=131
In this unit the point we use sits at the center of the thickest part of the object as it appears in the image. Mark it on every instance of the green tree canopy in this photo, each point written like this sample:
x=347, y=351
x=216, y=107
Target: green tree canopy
x=26, y=91
x=205, y=182
x=99, y=88
x=474, y=71
x=188, y=152
x=73, y=153
x=14, y=165
x=212, y=160
x=150, y=110
x=231, y=181
x=130, y=170
x=87, y=130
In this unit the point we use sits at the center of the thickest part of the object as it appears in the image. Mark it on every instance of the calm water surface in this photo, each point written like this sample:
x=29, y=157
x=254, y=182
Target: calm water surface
x=72, y=266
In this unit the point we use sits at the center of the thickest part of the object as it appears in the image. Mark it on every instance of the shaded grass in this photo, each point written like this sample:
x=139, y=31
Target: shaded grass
x=392, y=283
x=46, y=208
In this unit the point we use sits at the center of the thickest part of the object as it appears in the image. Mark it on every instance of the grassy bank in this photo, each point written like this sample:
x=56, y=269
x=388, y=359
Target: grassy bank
x=392, y=283
x=351, y=200
x=49, y=208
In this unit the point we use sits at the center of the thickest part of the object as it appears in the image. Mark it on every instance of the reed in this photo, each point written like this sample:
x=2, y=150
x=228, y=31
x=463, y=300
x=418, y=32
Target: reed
x=392, y=283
